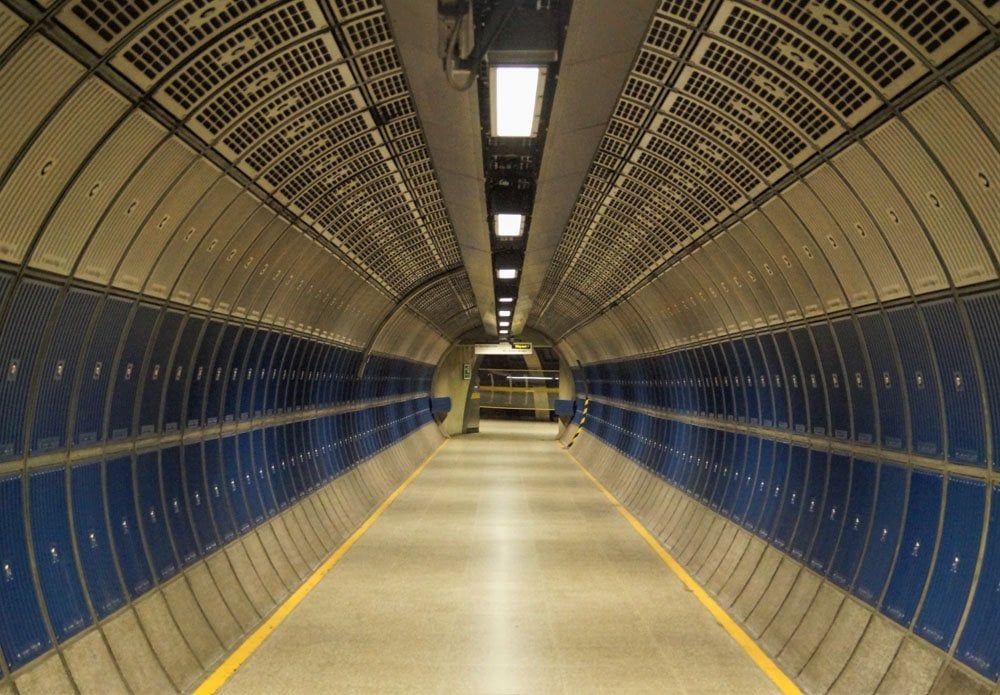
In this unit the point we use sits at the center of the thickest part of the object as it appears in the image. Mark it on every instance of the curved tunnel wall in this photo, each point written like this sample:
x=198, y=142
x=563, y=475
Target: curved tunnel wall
x=196, y=406
x=823, y=375
x=206, y=207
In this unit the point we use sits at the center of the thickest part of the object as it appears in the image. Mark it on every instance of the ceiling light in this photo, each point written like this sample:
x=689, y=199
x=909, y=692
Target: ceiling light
x=516, y=100
x=504, y=331
x=503, y=313
x=504, y=324
x=506, y=273
x=506, y=300
x=509, y=224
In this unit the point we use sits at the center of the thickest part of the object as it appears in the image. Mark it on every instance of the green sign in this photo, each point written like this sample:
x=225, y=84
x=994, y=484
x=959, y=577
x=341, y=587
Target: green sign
x=467, y=371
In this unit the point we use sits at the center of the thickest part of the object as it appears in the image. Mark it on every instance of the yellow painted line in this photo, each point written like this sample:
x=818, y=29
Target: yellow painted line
x=762, y=660
x=250, y=644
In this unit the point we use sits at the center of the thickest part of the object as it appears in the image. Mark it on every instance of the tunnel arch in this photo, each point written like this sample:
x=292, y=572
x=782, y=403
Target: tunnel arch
x=238, y=236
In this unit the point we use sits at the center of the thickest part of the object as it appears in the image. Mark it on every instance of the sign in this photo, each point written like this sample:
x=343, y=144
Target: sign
x=503, y=348
x=467, y=371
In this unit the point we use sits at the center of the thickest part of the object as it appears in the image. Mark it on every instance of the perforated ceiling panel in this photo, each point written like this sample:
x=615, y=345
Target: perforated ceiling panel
x=307, y=103
x=727, y=106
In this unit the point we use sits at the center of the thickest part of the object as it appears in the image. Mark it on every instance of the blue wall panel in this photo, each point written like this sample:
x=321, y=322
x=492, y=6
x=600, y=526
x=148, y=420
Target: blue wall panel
x=234, y=491
x=858, y=382
x=851, y=545
x=264, y=482
x=236, y=374
x=921, y=384
x=959, y=383
x=92, y=541
x=156, y=377
x=984, y=315
x=791, y=496
x=792, y=378
x=886, y=523
x=152, y=516
x=96, y=374
x=20, y=340
x=916, y=547
x=176, y=512
x=179, y=373
x=889, y=384
x=59, y=369
x=763, y=452
x=812, y=381
x=218, y=374
x=248, y=479
x=126, y=379
x=48, y=512
x=776, y=490
x=201, y=374
x=776, y=381
x=251, y=374
x=273, y=373
x=198, y=498
x=125, y=526
x=217, y=497
x=23, y=635
x=956, y=562
x=833, y=377
x=978, y=646
x=738, y=495
x=812, y=505
x=832, y=515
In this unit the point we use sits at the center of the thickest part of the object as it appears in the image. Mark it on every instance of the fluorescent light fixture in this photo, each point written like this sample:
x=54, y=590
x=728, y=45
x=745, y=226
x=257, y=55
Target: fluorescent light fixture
x=516, y=99
x=506, y=300
x=504, y=324
x=503, y=313
x=504, y=331
x=509, y=224
x=506, y=273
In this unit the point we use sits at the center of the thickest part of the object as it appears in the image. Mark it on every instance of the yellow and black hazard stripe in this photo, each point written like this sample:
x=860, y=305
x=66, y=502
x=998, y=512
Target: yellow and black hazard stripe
x=583, y=419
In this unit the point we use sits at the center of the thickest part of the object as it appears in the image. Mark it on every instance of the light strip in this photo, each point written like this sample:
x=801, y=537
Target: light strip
x=509, y=224
x=515, y=101
x=506, y=273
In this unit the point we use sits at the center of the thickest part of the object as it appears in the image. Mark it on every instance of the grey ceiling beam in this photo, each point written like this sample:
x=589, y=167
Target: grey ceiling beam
x=450, y=120
x=601, y=44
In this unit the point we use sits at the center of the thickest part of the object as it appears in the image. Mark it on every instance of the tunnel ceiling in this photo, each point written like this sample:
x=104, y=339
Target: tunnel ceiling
x=280, y=137
x=729, y=105
x=307, y=162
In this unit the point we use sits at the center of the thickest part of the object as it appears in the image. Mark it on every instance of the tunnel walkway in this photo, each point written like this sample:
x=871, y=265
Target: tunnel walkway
x=501, y=569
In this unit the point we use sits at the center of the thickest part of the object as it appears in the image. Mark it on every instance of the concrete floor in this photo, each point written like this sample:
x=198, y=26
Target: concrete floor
x=500, y=570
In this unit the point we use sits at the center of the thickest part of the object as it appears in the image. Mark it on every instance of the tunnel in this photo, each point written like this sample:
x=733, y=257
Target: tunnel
x=248, y=252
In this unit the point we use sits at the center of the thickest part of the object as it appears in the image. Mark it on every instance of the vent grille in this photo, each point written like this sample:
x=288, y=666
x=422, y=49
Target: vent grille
x=854, y=38
x=177, y=34
x=770, y=87
x=793, y=54
x=304, y=94
x=344, y=10
x=367, y=33
x=233, y=53
x=750, y=113
x=297, y=130
x=689, y=11
x=257, y=84
x=667, y=36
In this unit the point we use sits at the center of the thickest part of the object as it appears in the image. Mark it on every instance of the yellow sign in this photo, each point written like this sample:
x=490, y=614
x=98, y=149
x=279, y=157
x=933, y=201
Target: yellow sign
x=521, y=346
